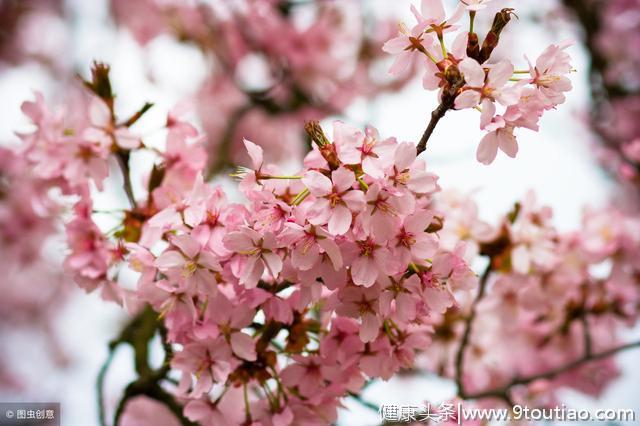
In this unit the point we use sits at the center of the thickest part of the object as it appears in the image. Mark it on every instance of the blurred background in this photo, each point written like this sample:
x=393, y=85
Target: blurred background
x=54, y=337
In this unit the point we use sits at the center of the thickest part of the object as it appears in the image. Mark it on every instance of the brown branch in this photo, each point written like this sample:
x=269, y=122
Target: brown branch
x=503, y=392
x=138, y=334
x=123, y=162
x=448, y=99
x=586, y=333
x=550, y=374
x=468, y=326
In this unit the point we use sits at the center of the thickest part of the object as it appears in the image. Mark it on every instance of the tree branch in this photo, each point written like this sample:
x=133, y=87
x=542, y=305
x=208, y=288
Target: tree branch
x=123, y=162
x=550, y=374
x=100, y=385
x=468, y=326
x=448, y=99
x=138, y=333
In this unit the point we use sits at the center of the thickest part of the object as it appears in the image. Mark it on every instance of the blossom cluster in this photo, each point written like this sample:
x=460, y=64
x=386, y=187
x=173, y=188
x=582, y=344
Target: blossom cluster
x=613, y=28
x=340, y=261
x=551, y=298
x=29, y=216
x=273, y=310
x=471, y=77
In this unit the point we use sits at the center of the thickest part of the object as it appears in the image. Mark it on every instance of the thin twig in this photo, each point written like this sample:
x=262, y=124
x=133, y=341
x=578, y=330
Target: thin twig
x=436, y=115
x=123, y=162
x=367, y=404
x=448, y=100
x=100, y=385
x=468, y=326
x=586, y=332
x=550, y=374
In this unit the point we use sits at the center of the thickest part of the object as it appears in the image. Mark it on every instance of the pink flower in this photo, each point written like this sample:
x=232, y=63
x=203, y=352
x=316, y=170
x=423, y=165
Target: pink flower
x=209, y=361
x=179, y=129
x=356, y=147
x=411, y=242
x=475, y=5
x=343, y=342
x=384, y=211
x=399, y=292
x=370, y=260
x=408, y=46
x=362, y=303
x=477, y=89
x=500, y=135
x=191, y=265
x=310, y=244
x=254, y=253
x=335, y=200
x=432, y=12
x=308, y=374
x=409, y=172
x=90, y=255
x=550, y=74
x=251, y=177
x=205, y=413
x=229, y=318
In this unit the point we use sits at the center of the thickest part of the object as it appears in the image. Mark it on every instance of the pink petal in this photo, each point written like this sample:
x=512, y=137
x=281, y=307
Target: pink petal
x=488, y=112
x=333, y=251
x=209, y=261
x=370, y=328
x=243, y=346
x=347, y=139
x=187, y=245
x=364, y=272
x=343, y=179
x=467, y=99
x=405, y=307
x=395, y=45
x=433, y=10
x=500, y=74
x=473, y=72
x=99, y=113
x=317, y=183
x=355, y=200
x=169, y=259
x=404, y=156
x=399, y=66
x=507, y=143
x=340, y=220
x=273, y=263
x=521, y=259
x=253, y=270
x=255, y=153
x=430, y=81
x=238, y=241
x=488, y=148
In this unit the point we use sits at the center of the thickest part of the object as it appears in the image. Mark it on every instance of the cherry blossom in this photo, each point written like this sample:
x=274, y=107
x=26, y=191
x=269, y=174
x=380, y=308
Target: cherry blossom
x=275, y=303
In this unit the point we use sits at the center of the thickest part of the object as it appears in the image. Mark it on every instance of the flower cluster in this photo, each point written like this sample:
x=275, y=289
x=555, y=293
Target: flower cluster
x=340, y=264
x=470, y=77
x=548, y=299
x=357, y=266
x=613, y=29
x=29, y=218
